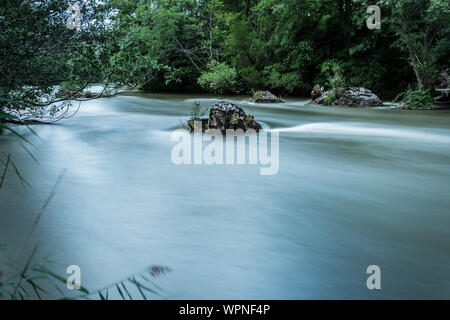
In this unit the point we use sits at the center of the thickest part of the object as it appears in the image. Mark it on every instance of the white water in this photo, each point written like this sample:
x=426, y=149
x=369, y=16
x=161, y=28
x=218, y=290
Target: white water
x=365, y=129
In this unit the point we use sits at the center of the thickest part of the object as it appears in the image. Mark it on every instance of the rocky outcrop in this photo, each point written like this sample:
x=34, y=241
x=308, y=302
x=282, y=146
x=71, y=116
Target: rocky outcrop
x=317, y=91
x=265, y=97
x=353, y=96
x=226, y=115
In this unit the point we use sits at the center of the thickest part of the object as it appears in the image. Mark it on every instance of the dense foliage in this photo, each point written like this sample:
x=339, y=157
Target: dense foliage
x=228, y=46
x=218, y=46
x=39, y=55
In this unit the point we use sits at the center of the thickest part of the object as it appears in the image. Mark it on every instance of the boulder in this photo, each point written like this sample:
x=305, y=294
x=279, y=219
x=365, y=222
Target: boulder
x=317, y=91
x=265, y=97
x=353, y=96
x=322, y=98
x=226, y=115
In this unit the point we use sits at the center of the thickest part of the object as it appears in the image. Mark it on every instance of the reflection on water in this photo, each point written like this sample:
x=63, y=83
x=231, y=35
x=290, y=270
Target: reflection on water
x=355, y=187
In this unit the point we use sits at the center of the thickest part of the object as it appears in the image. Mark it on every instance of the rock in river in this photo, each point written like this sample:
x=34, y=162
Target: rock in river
x=265, y=97
x=316, y=92
x=352, y=96
x=226, y=115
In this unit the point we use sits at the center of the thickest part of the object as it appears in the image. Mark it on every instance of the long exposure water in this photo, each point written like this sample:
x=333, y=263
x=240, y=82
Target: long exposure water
x=355, y=187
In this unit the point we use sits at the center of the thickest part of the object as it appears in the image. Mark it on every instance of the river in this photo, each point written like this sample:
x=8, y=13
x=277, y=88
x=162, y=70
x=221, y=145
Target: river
x=355, y=187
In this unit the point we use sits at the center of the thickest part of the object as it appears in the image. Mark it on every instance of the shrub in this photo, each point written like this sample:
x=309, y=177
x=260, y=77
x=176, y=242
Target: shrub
x=89, y=94
x=219, y=78
x=332, y=74
x=330, y=98
x=251, y=78
x=197, y=113
x=418, y=99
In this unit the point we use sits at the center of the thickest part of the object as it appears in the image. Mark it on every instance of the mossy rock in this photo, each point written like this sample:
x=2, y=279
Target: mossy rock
x=265, y=97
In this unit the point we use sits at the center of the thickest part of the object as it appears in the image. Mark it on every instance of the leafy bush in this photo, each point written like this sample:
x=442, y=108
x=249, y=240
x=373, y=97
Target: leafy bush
x=197, y=113
x=337, y=79
x=366, y=75
x=277, y=79
x=89, y=94
x=332, y=74
x=219, y=78
x=418, y=99
x=251, y=78
x=330, y=98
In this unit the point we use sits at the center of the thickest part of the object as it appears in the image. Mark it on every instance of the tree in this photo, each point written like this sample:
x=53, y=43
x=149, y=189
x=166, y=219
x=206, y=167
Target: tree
x=424, y=31
x=220, y=78
x=193, y=45
x=40, y=54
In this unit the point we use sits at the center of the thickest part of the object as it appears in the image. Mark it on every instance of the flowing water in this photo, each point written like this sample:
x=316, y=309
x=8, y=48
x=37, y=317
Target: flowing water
x=355, y=187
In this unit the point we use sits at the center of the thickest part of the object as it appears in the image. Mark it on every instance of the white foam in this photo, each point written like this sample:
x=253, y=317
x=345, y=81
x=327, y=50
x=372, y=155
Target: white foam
x=367, y=130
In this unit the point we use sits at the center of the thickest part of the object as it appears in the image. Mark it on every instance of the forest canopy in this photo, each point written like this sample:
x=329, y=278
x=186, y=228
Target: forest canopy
x=217, y=46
